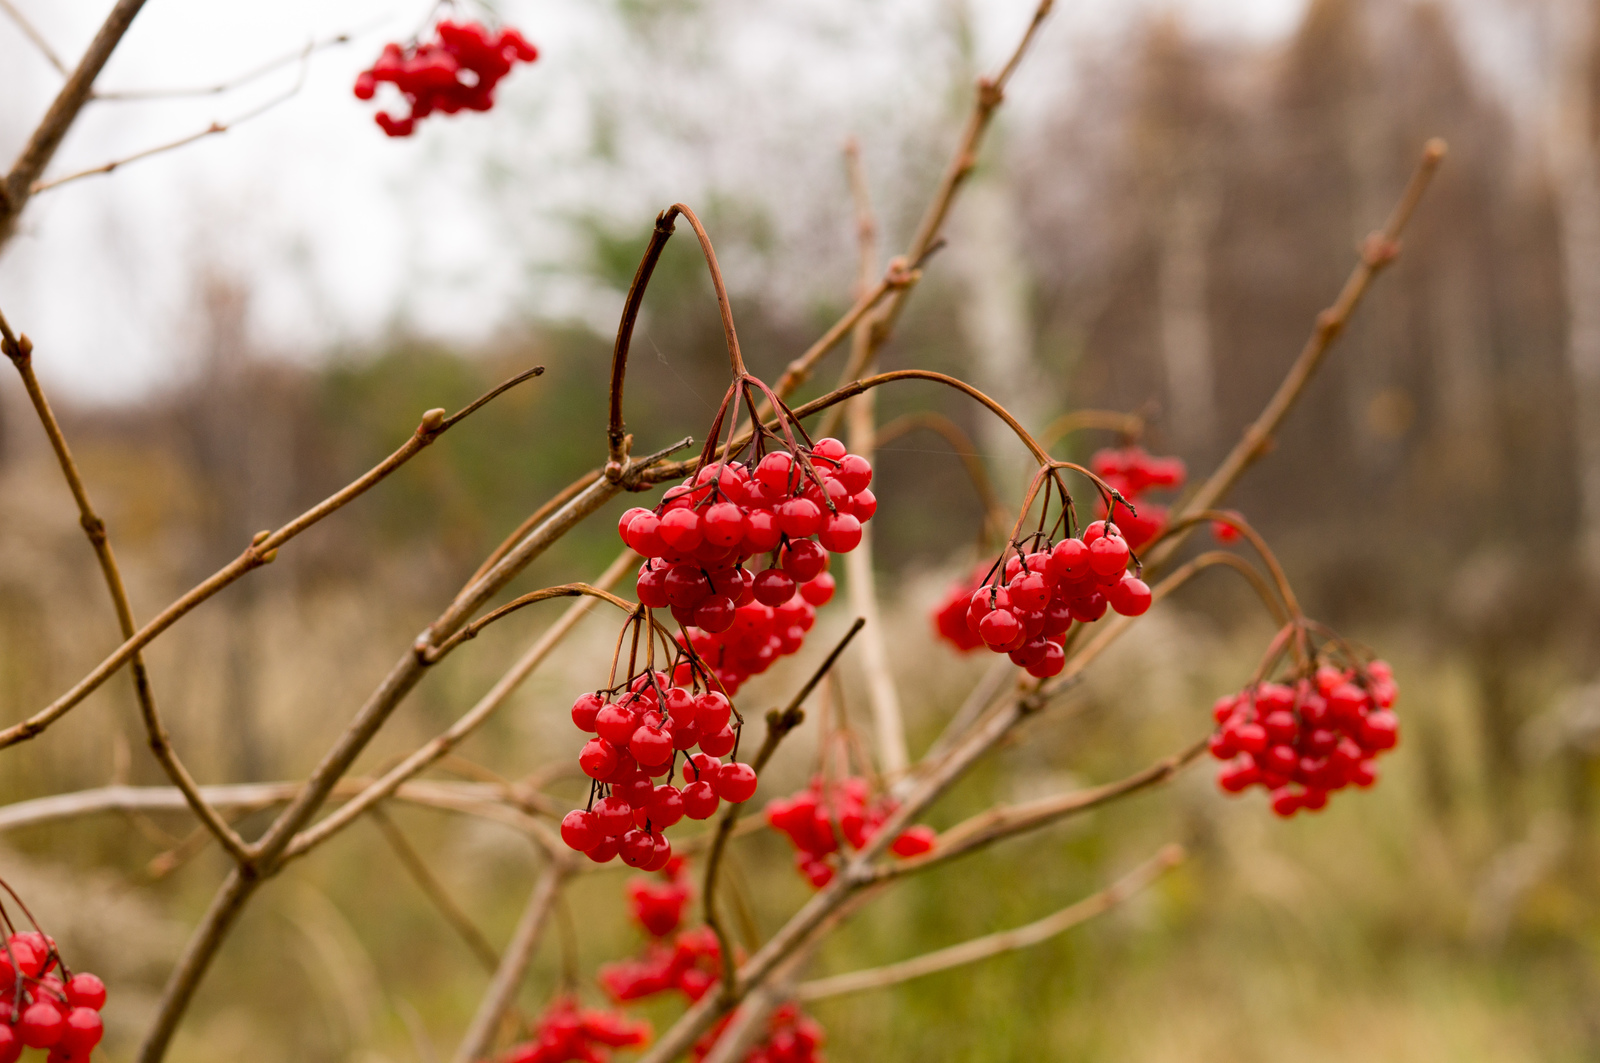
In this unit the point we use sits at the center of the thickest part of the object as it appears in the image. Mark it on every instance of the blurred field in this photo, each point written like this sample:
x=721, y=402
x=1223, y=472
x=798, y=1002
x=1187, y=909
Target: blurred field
x=1426, y=501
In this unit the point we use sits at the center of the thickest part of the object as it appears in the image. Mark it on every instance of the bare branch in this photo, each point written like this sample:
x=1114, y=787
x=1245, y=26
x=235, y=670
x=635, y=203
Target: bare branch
x=435, y=891
x=260, y=552
x=20, y=351
x=47, y=136
x=508, y=977
x=30, y=32
x=994, y=944
x=271, y=66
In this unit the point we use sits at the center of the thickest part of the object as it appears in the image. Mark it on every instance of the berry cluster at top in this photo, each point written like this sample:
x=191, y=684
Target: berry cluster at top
x=1133, y=472
x=640, y=729
x=795, y=506
x=824, y=815
x=43, y=1005
x=457, y=71
x=1303, y=740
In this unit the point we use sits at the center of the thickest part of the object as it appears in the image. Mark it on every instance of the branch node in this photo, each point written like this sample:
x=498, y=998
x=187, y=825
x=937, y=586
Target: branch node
x=990, y=94
x=260, y=537
x=432, y=423
x=1378, y=250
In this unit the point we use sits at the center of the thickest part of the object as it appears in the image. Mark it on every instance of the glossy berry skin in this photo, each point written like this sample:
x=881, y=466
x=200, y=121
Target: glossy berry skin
x=10, y=1044
x=81, y=1032
x=584, y=711
x=735, y=783
x=577, y=830
x=598, y=758
x=700, y=800
x=638, y=848
x=85, y=990
x=41, y=1026
x=612, y=816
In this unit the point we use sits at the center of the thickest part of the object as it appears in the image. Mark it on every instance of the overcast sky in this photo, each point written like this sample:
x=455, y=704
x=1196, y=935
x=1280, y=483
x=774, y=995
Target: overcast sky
x=341, y=233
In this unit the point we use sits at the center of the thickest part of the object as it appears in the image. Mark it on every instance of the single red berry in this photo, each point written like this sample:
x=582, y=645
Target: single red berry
x=1130, y=597
x=864, y=505
x=1281, y=725
x=611, y=816
x=680, y=529
x=914, y=841
x=615, y=724
x=627, y=519
x=577, y=830
x=637, y=792
x=855, y=473
x=800, y=517
x=1029, y=591
x=644, y=535
x=1282, y=759
x=735, y=783
x=774, y=471
x=86, y=991
x=1285, y=801
x=1049, y=662
x=1381, y=730
x=840, y=534
x=598, y=758
x=773, y=586
x=720, y=743
x=10, y=1044
x=818, y=590
x=804, y=560
x=667, y=807
x=723, y=524
x=41, y=1025
x=830, y=448
x=1089, y=608
x=714, y=614
x=638, y=848
x=1108, y=555
x=1252, y=738
x=700, y=800
x=585, y=709
x=761, y=532
x=712, y=711
x=604, y=850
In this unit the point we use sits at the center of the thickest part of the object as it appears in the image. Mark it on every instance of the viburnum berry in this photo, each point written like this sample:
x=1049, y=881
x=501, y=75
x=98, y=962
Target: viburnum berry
x=1302, y=740
x=822, y=816
x=1132, y=472
x=456, y=70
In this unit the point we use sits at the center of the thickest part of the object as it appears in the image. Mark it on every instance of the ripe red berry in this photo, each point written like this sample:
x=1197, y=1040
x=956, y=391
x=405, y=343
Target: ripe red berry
x=577, y=830
x=638, y=848
x=715, y=614
x=700, y=800
x=611, y=816
x=666, y=808
x=774, y=471
x=598, y=758
x=762, y=531
x=774, y=586
x=584, y=711
x=840, y=534
x=605, y=850
x=829, y=448
x=804, y=560
x=680, y=529
x=855, y=473
x=1130, y=597
x=10, y=1044
x=999, y=628
x=720, y=743
x=1108, y=555
x=85, y=990
x=80, y=1034
x=712, y=711
x=818, y=591
x=735, y=782
x=723, y=524
x=41, y=1026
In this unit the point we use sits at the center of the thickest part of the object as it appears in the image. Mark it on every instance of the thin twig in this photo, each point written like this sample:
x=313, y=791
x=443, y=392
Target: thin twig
x=962, y=445
x=1127, y=425
x=263, y=550
x=467, y=724
x=20, y=351
x=47, y=136
x=502, y=992
x=1004, y=941
x=211, y=130
x=298, y=55
x=30, y=32
x=1377, y=251
x=459, y=921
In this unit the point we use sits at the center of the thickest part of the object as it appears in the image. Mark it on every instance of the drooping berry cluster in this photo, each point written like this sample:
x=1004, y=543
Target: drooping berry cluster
x=1306, y=739
x=822, y=816
x=792, y=1037
x=1027, y=605
x=640, y=729
x=43, y=1005
x=689, y=964
x=566, y=1033
x=457, y=71
x=1133, y=472
x=796, y=506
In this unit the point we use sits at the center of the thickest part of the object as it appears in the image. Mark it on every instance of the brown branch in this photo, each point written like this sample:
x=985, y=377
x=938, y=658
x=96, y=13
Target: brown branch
x=211, y=130
x=47, y=136
x=31, y=32
x=20, y=351
x=417, y=868
x=1377, y=251
x=779, y=724
x=263, y=550
x=1006, y=821
x=433, y=654
x=1012, y=940
x=466, y=725
x=502, y=991
x=1126, y=425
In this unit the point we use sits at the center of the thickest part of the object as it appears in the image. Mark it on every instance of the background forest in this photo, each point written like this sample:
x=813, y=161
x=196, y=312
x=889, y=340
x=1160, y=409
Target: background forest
x=1153, y=229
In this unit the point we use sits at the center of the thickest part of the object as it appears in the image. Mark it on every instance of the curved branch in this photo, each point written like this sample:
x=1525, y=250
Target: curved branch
x=432, y=654
x=1243, y=527
x=263, y=550
x=1126, y=425
x=616, y=431
x=989, y=945
x=960, y=443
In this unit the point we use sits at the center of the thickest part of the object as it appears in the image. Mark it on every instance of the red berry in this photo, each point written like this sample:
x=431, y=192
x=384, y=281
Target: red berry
x=999, y=628
x=638, y=848
x=774, y=471
x=1381, y=730
x=855, y=473
x=804, y=560
x=637, y=792
x=735, y=782
x=864, y=504
x=1285, y=801
x=773, y=586
x=700, y=800
x=604, y=850
x=762, y=532
x=615, y=724
x=598, y=758
x=1069, y=561
x=799, y=517
x=1029, y=591
x=818, y=590
x=577, y=830
x=585, y=709
x=86, y=991
x=611, y=816
x=829, y=448
x=1130, y=597
x=712, y=712
x=720, y=743
x=686, y=586
x=1108, y=555
x=680, y=529
x=840, y=534
x=41, y=1025
x=714, y=614
x=914, y=841
x=10, y=1044
x=723, y=524
x=667, y=807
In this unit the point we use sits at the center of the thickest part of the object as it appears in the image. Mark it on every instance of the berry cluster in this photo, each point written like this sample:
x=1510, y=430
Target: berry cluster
x=1133, y=472
x=567, y=1034
x=792, y=1037
x=455, y=72
x=817, y=818
x=1304, y=740
x=688, y=965
x=43, y=1005
x=950, y=615
x=1026, y=606
x=640, y=729
x=796, y=505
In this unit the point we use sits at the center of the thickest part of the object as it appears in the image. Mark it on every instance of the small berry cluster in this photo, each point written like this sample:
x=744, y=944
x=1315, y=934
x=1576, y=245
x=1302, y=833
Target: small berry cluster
x=457, y=71
x=797, y=505
x=1027, y=612
x=950, y=614
x=792, y=1037
x=1304, y=740
x=639, y=733
x=688, y=965
x=818, y=817
x=566, y=1033
x=1132, y=472
x=43, y=1005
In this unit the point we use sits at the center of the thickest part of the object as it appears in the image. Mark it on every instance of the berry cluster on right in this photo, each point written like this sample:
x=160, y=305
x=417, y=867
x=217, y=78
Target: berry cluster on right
x=1304, y=741
x=43, y=1005
x=820, y=817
